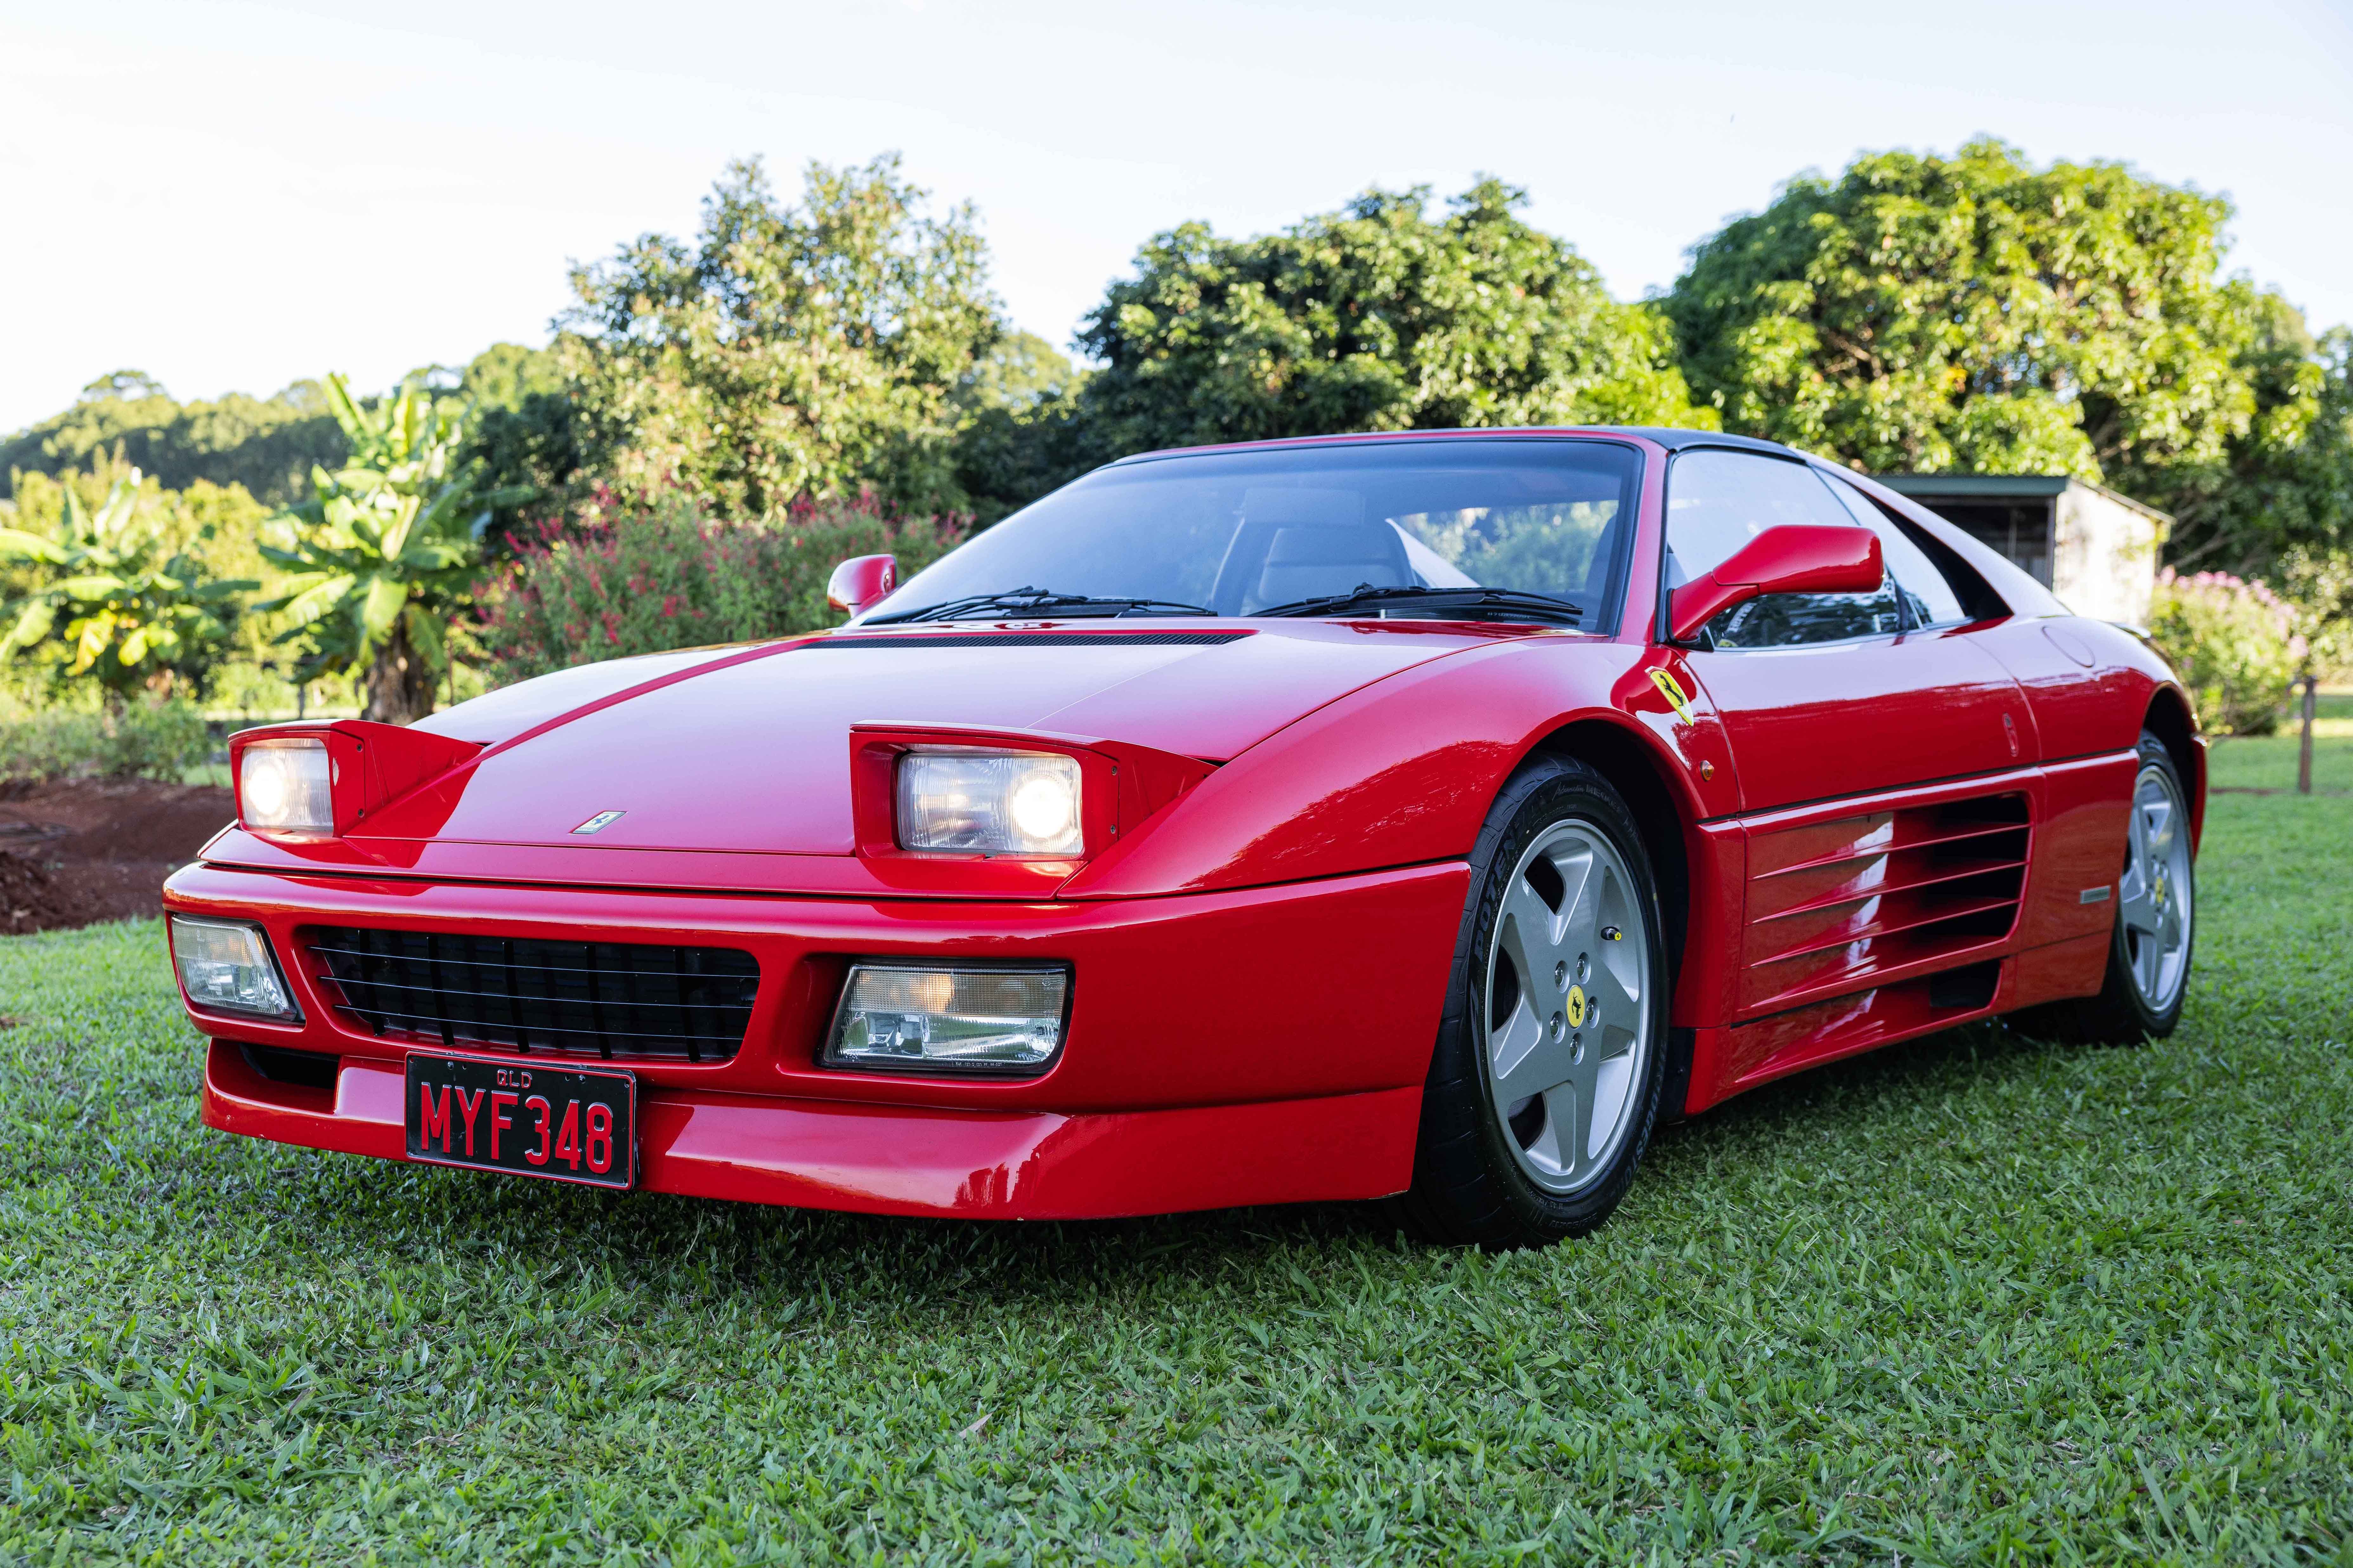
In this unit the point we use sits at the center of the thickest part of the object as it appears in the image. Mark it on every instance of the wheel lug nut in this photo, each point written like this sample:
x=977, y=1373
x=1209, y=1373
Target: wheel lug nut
x=1555, y=1025
x=1584, y=966
x=1576, y=1049
x=1560, y=976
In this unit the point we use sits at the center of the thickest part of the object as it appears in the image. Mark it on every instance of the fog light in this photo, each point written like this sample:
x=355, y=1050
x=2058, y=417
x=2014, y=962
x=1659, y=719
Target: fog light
x=962, y=799
x=283, y=786
x=226, y=967
x=927, y=1020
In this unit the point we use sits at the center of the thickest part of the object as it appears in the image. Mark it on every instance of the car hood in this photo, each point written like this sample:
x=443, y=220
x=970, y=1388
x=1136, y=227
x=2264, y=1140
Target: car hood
x=746, y=749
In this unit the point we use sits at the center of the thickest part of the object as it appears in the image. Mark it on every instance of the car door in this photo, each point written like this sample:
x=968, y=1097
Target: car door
x=1886, y=774
x=1828, y=695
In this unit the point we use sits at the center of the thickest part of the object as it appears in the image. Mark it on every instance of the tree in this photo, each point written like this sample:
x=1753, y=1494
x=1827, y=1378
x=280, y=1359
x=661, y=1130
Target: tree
x=2279, y=500
x=1371, y=318
x=386, y=552
x=1021, y=435
x=268, y=445
x=1974, y=312
x=111, y=604
x=791, y=351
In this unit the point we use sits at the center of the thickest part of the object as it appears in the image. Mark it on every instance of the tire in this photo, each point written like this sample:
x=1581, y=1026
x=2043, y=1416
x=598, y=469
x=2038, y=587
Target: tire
x=2156, y=904
x=1499, y=1163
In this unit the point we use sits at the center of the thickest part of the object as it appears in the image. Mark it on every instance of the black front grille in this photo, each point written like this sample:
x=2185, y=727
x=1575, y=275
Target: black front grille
x=579, y=999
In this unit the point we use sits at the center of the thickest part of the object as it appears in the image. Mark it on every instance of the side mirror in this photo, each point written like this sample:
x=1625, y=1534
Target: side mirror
x=864, y=580
x=1793, y=558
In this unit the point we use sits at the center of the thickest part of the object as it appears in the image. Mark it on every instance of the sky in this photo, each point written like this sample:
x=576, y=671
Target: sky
x=233, y=196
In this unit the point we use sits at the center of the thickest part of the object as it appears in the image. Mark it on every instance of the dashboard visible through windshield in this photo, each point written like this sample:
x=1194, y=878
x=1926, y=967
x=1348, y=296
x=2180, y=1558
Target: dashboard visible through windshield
x=1526, y=528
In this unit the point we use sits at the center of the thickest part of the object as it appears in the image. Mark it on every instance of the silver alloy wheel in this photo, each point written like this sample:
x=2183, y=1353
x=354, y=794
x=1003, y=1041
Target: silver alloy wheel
x=2154, y=895
x=1568, y=1016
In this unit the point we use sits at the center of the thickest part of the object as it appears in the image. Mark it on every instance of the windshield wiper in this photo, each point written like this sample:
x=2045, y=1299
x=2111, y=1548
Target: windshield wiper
x=1033, y=599
x=1540, y=604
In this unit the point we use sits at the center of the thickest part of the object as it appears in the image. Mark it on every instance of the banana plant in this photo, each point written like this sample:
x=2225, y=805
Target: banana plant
x=386, y=551
x=108, y=607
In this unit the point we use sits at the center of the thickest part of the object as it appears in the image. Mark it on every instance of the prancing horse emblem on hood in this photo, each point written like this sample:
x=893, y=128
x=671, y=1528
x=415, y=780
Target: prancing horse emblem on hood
x=601, y=821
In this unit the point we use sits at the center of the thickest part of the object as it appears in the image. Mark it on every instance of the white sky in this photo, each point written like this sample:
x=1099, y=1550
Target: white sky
x=234, y=195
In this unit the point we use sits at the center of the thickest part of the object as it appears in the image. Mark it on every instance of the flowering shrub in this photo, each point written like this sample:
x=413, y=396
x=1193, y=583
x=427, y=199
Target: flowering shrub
x=622, y=579
x=2234, y=643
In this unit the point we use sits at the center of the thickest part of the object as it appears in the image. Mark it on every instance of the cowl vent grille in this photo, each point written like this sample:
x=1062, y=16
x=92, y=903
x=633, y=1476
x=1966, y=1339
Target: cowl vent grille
x=602, y=999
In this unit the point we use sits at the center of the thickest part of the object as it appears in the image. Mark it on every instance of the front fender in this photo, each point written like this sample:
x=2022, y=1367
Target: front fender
x=1402, y=772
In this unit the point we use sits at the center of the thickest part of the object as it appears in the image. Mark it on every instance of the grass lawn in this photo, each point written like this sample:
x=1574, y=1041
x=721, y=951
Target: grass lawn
x=1977, y=1298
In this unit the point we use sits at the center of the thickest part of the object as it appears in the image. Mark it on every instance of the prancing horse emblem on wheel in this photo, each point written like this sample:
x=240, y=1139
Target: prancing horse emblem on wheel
x=1576, y=1007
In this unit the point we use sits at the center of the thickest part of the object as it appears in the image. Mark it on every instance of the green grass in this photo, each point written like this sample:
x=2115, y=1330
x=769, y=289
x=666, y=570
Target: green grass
x=1978, y=1298
x=2270, y=763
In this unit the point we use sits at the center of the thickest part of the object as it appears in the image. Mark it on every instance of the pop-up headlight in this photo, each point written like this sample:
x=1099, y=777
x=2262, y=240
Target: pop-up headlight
x=283, y=786
x=226, y=966
x=934, y=1020
x=973, y=801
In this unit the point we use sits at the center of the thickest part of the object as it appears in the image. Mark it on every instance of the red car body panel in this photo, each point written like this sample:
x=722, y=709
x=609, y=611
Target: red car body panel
x=1261, y=931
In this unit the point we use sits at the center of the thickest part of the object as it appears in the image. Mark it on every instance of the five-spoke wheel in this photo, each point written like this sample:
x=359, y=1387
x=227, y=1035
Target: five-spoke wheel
x=1568, y=1035
x=1545, y=1080
x=2154, y=894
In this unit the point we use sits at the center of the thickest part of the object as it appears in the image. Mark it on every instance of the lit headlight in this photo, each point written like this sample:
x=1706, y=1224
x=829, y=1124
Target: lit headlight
x=226, y=966
x=932, y=1019
x=283, y=786
x=989, y=803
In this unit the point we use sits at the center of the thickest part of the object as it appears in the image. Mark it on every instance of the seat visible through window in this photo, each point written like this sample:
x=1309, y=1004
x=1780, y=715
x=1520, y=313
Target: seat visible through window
x=1320, y=543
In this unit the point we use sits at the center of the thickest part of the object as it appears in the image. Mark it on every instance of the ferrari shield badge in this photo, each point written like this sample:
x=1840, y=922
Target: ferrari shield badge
x=1673, y=691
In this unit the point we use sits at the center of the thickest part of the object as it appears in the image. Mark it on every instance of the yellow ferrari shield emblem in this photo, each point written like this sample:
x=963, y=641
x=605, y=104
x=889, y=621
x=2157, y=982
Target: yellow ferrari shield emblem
x=1673, y=691
x=1576, y=1007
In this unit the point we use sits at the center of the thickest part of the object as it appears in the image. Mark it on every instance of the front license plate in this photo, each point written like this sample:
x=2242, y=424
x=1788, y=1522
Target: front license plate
x=556, y=1123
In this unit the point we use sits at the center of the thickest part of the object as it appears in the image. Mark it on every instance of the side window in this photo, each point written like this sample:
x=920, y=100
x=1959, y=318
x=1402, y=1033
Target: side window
x=1931, y=599
x=1719, y=500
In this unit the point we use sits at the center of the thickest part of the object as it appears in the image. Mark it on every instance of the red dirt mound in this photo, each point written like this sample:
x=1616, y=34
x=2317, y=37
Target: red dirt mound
x=78, y=850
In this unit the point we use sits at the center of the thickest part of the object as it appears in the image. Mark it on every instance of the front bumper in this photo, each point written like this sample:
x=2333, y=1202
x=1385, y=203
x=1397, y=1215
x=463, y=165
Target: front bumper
x=1255, y=1046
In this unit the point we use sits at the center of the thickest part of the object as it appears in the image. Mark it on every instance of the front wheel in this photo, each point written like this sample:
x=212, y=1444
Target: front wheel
x=1544, y=1087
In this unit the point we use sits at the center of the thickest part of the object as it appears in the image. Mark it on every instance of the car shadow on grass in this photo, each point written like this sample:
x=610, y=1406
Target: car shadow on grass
x=669, y=1252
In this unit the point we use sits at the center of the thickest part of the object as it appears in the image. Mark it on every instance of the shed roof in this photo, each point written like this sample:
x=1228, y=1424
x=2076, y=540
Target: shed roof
x=2001, y=486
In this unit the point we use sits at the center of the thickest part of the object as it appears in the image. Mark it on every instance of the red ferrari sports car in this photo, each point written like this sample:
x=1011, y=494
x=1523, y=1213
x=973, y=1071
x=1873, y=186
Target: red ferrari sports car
x=1405, y=815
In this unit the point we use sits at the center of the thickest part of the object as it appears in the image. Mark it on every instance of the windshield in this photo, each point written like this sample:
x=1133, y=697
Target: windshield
x=1243, y=533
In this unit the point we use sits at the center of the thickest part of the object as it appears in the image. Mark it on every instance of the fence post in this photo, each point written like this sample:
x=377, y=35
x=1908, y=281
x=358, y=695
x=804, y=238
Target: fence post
x=2303, y=752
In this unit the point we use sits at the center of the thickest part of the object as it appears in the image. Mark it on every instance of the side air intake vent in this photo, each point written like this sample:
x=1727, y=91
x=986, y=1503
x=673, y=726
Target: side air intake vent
x=1838, y=906
x=572, y=998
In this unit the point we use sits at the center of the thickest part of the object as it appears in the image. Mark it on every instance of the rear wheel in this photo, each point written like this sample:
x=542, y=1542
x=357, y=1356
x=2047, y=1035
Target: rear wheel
x=1544, y=1087
x=2155, y=902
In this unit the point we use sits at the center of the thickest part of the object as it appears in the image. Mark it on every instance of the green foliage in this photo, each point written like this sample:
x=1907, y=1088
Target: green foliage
x=2234, y=644
x=530, y=450
x=386, y=552
x=1371, y=318
x=1021, y=435
x=619, y=581
x=506, y=376
x=792, y=351
x=2283, y=493
x=1975, y=1299
x=266, y=446
x=1974, y=312
x=2318, y=585
x=112, y=599
x=149, y=738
